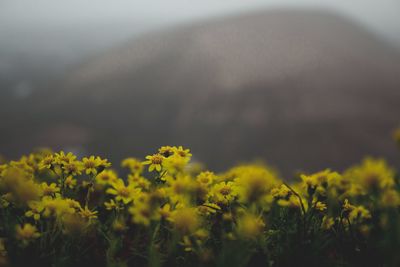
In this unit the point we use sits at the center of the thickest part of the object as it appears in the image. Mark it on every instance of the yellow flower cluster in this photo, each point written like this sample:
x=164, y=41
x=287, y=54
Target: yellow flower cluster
x=174, y=204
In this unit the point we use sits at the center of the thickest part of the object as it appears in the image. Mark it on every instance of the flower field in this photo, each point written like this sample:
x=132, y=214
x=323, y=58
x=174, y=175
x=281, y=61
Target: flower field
x=60, y=210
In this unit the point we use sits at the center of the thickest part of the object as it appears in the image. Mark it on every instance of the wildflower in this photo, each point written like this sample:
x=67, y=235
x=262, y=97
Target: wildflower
x=87, y=214
x=320, y=206
x=359, y=214
x=166, y=151
x=141, y=213
x=281, y=192
x=347, y=206
x=73, y=168
x=390, y=198
x=94, y=165
x=165, y=211
x=185, y=220
x=111, y=205
x=56, y=207
x=119, y=225
x=208, y=208
x=121, y=191
x=205, y=178
x=36, y=209
x=26, y=233
x=155, y=162
x=254, y=183
x=47, y=162
x=49, y=190
x=138, y=181
x=372, y=174
x=327, y=223
x=70, y=182
x=184, y=153
x=250, y=226
x=174, y=164
x=106, y=177
x=61, y=158
x=223, y=192
x=134, y=165
x=74, y=224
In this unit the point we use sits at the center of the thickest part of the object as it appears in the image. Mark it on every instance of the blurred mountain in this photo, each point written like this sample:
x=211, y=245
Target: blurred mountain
x=298, y=89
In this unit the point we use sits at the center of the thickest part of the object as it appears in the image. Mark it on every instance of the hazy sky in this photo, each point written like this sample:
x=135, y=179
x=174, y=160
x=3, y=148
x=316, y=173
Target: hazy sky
x=382, y=16
x=64, y=31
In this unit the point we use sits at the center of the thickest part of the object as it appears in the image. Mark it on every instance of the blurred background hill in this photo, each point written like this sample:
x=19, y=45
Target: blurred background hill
x=301, y=87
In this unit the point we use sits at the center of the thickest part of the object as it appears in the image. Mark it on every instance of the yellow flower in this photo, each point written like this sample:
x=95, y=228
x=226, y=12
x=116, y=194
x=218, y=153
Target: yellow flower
x=223, y=192
x=121, y=191
x=359, y=214
x=35, y=210
x=254, y=183
x=250, y=226
x=166, y=151
x=165, y=211
x=134, y=165
x=26, y=232
x=184, y=153
x=372, y=174
x=320, y=206
x=70, y=182
x=141, y=214
x=61, y=158
x=174, y=164
x=281, y=192
x=327, y=223
x=186, y=220
x=47, y=162
x=112, y=205
x=390, y=198
x=94, y=165
x=155, y=162
x=106, y=177
x=205, y=178
x=57, y=207
x=49, y=190
x=73, y=168
x=87, y=214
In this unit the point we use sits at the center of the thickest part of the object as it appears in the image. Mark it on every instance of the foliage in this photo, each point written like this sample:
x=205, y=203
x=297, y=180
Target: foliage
x=58, y=210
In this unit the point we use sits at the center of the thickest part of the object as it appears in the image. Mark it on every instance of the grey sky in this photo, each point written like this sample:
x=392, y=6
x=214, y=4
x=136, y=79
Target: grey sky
x=382, y=16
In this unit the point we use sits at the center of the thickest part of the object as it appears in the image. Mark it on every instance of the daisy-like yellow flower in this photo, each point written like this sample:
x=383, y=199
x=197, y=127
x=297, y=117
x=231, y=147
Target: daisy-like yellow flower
x=166, y=151
x=88, y=214
x=206, y=178
x=35, y=211
x=121, y=191
x=250, y=226
x=106, y=177
x=112, y=205
x=142, y=213
x=223, y=192
x=184, y=153
x=320, y=206
x=26, y=232
x=49, y=190
x=47, y=162
x=134, y=165
x=73, y=168
x=155, y=162
x=94, y=165
x=186, y=220
x=62, y=158
x=70, y=182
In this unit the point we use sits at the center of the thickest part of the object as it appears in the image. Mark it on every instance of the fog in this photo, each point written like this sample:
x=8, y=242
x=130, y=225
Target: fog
x=309, y=75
